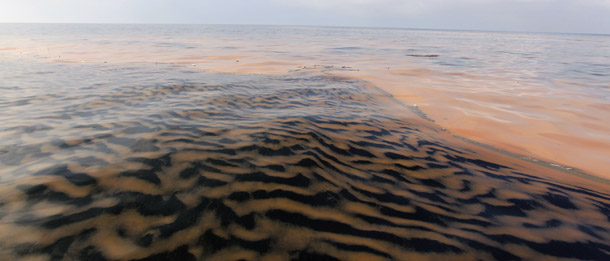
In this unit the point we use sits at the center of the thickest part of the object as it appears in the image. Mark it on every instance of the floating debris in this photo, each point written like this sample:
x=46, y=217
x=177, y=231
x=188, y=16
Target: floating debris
x=325, y=68
x=423, y=55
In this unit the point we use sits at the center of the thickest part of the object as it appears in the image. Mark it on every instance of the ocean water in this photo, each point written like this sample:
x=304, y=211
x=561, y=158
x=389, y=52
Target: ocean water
x=193, y=142
x=542, y=96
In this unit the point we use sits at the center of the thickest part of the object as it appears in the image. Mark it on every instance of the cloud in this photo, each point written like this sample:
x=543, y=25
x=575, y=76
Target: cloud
x=416, y=6
x=369, y=7
x=513, y=15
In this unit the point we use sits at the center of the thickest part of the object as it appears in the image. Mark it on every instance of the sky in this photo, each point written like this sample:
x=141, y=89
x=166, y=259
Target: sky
x=576, y=16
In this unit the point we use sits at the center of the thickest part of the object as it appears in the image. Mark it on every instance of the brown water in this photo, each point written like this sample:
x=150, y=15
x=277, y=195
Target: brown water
x=544, y=96
x=275, y=143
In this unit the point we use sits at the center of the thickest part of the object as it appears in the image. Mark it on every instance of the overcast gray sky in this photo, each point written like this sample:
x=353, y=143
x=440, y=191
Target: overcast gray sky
x=582, y=16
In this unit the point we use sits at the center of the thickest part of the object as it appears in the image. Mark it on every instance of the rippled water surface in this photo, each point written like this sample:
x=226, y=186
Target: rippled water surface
x=134, y=142
x=543, y=96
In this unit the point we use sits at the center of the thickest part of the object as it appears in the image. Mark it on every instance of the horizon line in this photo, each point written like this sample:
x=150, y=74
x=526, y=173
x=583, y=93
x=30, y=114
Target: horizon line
x=310, y=25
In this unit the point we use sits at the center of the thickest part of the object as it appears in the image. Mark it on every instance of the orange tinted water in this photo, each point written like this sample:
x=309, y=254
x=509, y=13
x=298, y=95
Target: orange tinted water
x=499, y=102
x=119, y=143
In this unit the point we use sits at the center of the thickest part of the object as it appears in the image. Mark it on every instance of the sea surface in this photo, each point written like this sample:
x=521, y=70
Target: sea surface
x=218, y=142
x=538, y=95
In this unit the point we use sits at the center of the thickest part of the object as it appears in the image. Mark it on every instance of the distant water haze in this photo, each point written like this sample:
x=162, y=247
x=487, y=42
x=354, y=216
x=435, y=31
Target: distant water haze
x=584, y=16
x=544, y=96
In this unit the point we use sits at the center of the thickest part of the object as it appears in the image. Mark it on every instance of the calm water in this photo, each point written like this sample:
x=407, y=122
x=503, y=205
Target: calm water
x=547, y=58
x=128, y=142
